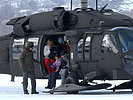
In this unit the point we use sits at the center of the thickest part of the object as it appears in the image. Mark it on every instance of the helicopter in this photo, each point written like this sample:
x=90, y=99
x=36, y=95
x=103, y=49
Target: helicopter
x=100, y=45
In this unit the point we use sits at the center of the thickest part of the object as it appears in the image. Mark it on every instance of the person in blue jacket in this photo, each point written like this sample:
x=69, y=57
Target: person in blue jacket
x=64, y=67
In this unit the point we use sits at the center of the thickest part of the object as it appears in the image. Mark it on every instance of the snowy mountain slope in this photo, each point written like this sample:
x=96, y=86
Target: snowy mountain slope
x=127, y=5
x=15, y=8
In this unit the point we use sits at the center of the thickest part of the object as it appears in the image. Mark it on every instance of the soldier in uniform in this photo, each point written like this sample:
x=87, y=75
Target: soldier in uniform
x=26, y=61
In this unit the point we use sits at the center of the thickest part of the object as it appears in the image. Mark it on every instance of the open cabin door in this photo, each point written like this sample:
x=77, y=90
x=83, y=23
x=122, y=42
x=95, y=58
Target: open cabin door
x=16, y=49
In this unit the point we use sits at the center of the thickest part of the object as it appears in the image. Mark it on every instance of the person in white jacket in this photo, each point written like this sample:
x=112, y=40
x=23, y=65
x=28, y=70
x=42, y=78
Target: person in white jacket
x=47, y=53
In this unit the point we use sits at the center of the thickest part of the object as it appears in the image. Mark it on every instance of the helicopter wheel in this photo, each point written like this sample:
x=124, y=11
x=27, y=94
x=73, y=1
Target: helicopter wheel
x=113, y=90
x=51, y=92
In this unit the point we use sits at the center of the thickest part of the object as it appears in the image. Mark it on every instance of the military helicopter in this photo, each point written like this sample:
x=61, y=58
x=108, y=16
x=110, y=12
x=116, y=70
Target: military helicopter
x=100, y=45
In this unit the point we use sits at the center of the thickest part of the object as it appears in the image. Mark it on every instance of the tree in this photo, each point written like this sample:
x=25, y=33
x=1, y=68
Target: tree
x=59, y=2
x=112, y=4
x=32, y=5
x=24, y=4
x=6, y=11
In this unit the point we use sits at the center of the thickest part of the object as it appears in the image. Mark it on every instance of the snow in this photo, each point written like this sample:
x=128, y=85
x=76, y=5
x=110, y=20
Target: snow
x=13, y=91
x=23, y=11
x=127, y=5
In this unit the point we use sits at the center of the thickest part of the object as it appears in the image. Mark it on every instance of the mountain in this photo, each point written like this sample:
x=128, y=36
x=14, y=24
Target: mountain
x=16, y=8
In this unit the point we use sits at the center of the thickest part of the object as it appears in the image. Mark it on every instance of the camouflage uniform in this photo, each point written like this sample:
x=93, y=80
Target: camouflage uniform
x=26, y=61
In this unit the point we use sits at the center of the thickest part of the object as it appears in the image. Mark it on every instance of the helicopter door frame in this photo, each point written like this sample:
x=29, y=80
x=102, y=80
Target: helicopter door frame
x=82, y=42
x=86, y=54
x=83, y=60
x=127, y=60
x=80, y=49
x=16, y=48
x=5, y=54
x=110, y=61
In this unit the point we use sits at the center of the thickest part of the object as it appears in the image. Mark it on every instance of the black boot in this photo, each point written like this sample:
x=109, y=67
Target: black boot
x=35, y=93
x=47, y=87
x=51, y=87
x=26, y=92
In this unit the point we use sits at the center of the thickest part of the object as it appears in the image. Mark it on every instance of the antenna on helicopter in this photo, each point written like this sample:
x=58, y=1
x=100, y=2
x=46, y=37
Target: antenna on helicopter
x=71, y=4
x=103, y=8
x=96, y=5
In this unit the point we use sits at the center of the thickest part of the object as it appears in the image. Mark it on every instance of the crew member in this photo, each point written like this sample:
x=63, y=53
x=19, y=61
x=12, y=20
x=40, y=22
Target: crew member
x=49, y=53
x=64, y=67
x=63, y=46
x=26, y=61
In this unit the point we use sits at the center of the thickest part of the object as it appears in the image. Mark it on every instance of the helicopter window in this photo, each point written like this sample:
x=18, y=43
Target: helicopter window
x=17, y=47
x=35, y=42
x=79, y=48
x=109, y=44
x=126, y=40
x=87, y=47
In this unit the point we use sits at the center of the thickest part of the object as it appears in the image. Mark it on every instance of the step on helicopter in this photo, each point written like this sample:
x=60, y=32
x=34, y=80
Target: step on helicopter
x=100, y=45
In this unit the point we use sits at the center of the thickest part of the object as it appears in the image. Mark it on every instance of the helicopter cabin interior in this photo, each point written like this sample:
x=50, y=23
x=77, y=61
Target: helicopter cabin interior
x=54, y=38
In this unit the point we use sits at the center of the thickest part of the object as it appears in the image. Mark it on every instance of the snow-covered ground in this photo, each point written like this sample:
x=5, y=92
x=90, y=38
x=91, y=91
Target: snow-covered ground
x=13, y=91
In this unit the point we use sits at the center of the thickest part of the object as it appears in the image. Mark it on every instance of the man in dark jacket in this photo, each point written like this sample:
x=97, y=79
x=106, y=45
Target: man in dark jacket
x=26, y=61
x=64, y=67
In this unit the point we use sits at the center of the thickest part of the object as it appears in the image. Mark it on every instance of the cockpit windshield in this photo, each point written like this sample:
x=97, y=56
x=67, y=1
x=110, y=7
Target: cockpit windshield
x=126, y=40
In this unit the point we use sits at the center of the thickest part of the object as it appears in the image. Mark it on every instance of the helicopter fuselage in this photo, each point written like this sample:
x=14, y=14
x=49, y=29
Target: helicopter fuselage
x=99, y=48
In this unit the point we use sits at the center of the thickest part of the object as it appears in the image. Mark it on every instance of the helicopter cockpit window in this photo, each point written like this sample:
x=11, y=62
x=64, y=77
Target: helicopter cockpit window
x=79, y=49
x=87, y=47
x=35, y=42
x=126, y=40
x=17, y=47
x=109, y=44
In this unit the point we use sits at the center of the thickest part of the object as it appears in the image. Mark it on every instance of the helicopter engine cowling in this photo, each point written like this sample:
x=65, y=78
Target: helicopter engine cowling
x=58, y=20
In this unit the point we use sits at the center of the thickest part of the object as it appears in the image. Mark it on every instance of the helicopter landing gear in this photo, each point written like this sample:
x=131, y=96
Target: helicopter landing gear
x=126, y=85
x=72, y=79
x=132, y=89
x=114, y=89
x=74, y=89
x=131, y=85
